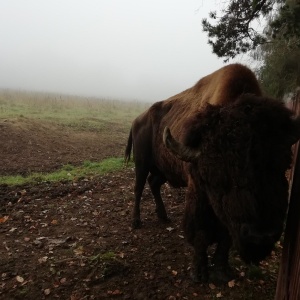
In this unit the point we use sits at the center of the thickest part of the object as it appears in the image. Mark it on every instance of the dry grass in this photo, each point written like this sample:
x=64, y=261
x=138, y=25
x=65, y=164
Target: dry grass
x=66, y=109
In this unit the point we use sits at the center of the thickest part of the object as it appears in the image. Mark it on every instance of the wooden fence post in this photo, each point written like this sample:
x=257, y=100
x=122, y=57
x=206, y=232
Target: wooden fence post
x=288, y=282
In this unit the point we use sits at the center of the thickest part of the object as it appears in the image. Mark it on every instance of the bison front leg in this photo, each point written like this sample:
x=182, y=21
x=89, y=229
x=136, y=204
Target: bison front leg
x=155, y=183
x=199, y=271
x=196, y=224
x=221, y=271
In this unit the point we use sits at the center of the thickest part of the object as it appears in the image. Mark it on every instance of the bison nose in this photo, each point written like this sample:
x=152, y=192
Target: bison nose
x=250, y=234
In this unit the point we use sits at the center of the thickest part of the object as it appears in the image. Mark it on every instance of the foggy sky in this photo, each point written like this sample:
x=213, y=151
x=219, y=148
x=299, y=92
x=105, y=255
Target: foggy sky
x=133, y=49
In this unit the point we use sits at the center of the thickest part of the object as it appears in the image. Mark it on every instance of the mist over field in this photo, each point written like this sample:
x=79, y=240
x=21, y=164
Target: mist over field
x=132, y=50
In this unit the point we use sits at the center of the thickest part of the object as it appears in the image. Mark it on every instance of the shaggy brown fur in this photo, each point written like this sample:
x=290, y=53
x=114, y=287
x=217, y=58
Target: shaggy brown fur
x=236, y=151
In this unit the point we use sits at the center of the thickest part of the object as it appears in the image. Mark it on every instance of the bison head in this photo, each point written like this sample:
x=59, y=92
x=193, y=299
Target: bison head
x=238, y=155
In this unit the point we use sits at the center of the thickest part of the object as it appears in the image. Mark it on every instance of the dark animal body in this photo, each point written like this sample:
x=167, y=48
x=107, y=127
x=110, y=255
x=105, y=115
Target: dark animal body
x=230, y=146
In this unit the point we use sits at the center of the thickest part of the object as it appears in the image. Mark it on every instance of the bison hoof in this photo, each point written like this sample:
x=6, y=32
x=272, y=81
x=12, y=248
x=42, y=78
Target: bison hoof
x=199, y=277
x=165, y=219
x=136, y=224
x=162, y=215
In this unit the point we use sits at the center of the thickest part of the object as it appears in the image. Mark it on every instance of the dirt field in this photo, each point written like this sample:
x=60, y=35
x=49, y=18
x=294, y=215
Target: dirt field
x=73, y=240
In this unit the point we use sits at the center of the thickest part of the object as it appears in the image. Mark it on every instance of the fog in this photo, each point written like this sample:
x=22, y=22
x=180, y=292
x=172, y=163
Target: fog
x=135, y=50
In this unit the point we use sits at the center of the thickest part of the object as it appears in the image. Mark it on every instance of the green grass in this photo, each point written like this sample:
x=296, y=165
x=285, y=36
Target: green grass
x=78, y=112
x=254, y=272
x=68, y=172
x=110, y=255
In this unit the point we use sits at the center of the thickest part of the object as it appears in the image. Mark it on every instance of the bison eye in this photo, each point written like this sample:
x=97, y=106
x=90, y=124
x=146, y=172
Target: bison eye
x=248, y=109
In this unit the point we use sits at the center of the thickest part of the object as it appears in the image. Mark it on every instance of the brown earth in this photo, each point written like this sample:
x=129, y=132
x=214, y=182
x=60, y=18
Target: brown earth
x=33, y=145
x=73, y=240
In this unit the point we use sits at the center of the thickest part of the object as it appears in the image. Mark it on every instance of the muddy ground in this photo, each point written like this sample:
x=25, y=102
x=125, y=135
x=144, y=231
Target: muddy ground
x=73, y=240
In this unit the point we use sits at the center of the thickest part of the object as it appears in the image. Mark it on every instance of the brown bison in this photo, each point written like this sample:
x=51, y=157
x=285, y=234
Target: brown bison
x=230, y=146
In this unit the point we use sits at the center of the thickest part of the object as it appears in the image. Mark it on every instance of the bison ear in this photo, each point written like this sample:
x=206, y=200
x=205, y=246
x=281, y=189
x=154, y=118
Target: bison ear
x=181, y=151
x=295, y=134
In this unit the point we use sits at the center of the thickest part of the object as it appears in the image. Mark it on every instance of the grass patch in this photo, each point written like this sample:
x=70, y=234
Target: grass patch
x=255, y=272
x=106, y=265
x=83, y=113
x=107, y=256
x=68, y=172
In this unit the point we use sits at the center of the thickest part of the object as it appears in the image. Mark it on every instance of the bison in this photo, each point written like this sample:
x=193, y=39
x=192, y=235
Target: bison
x=230, y=146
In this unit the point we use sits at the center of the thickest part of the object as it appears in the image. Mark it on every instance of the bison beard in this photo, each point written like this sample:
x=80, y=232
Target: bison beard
x=231, y=153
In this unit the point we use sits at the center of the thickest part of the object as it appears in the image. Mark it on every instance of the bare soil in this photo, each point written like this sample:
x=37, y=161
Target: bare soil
x=28, y=145
x=73, y=240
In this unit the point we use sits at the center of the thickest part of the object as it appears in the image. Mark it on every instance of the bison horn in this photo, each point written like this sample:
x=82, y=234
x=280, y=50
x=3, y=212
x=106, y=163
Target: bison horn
x=181, y=151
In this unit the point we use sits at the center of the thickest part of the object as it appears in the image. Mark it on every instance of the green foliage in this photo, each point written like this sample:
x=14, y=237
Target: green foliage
x=277, y=47
x=233, y=33
x=68, y=172
x=286, y=24
x=279, y=70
